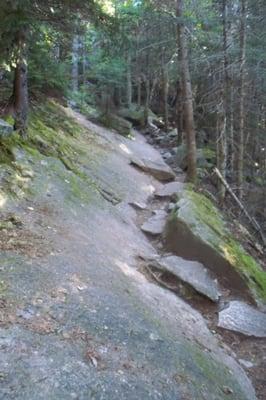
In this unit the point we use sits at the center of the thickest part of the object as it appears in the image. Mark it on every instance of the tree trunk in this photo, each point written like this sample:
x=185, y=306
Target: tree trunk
x=75, y=63
x=20, y=85
x=188, y=97
x=147, y=101
x=129, y=80
x=165, y=96
x=231, y=150
x=242, y=59
x=139, y=92
x=84, y=61
x=179, y=113
x=221, y=152
x=223, y=118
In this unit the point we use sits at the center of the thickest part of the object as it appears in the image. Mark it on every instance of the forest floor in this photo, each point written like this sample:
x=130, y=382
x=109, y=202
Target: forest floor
x=79, y=319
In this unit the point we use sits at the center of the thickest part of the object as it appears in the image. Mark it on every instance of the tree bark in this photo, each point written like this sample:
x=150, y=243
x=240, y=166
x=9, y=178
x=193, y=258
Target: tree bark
x=223, y=123
x=179, y=113
x=188, y=97
x=20, y=84
x=139, y=92
x=75, y=63
x=129, y=80
x=165, y=96
x=221, y=152
x=242, y=59
x=147, y=101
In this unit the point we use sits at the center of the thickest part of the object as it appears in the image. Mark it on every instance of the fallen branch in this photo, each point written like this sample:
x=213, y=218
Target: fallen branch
x=252, y=221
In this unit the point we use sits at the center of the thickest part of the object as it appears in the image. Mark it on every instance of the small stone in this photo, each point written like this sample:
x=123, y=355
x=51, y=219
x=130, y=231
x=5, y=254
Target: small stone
x=27, y=173
x=247, y=364
x=138, y=206
x=167, y=155
x=5, y=128
x=227, y=390
x=171, y=207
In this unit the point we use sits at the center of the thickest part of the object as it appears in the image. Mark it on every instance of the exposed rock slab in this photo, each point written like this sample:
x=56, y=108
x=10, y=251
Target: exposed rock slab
x=155, y=225
x=92, y=326
x=242, y=318
x=170, y=189
x=156, y=167
x=196, y=230
x=5, y=128
x=192, y=273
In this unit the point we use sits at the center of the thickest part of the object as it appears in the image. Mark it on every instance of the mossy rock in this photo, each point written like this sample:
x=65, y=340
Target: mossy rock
x=118, y=123
x=5, y=128
x=136, y=115
x=197, y=230
x=205, y=157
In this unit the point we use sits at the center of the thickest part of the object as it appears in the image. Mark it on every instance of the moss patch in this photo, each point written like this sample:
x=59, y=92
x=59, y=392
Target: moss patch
x=207, y=223
x=53, y=134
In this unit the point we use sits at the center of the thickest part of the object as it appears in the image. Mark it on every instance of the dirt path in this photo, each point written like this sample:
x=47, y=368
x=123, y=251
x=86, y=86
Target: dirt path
x=78, y=320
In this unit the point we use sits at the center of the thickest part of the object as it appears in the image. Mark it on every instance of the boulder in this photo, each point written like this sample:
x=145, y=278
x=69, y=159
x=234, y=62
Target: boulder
x=5, y=128
x=196, y=230
x=170, y=190
x=242, y=318
x=117, y=123
x=191, y=273
x=205, y=157
x=136, y=115
x=155, y=225
x=156, y=167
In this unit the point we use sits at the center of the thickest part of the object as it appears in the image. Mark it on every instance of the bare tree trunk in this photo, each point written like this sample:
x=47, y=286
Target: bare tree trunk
x=75, y=63
x=165, y=96
x=231, y=141
x=129, y=80
x=139, y=92
x=188, y=97
x=20, y=85
x=223, y=125
x=221, y=152
x=84, y=60
x=147, y=101
x=240, y=150
x=179, y=113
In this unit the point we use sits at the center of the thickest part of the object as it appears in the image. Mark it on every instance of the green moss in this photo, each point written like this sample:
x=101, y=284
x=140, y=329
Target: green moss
x=207, y=223
x=202, y=210
x=216, y=374
x=246, y=265
x=51, y=133
x=209, y=153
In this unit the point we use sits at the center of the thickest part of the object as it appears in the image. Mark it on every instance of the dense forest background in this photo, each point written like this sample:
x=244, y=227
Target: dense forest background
x=199, y=66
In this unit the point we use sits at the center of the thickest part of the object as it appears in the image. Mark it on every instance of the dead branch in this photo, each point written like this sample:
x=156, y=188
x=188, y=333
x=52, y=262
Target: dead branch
x=252, y=220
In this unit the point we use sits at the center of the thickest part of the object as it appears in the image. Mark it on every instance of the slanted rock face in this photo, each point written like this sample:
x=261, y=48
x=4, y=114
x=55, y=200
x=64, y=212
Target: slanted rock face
x=5, y=128
x=197, y=231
